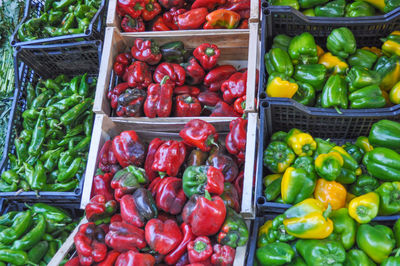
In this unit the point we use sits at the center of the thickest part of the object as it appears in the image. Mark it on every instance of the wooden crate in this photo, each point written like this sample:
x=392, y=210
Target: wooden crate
x=113, y=20
x=234, y=50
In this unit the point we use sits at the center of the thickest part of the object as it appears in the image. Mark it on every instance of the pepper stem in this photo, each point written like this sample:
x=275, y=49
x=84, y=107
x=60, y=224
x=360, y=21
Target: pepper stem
x=397, y=253
x=207, y=195
x=327, y=212
x=164, y=80
x=207, y=107
x=337, y=110
x=209, y=51
x=200, y=246
x=19, y=192
x=189, y=99
x=162, y=174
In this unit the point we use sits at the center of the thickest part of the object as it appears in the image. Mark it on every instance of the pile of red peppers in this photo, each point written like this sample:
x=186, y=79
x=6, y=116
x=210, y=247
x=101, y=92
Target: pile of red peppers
x=168, y=80
x=165, y=15
x=171, y=202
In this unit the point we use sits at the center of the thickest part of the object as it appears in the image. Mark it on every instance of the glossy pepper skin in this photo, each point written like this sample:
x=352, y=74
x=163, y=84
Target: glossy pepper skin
x=163, y=237
x=204, y=214
x=383, y=163
x=191, y=90
x=391, y=45
x=230, y=196
x=221, y=160
x=363, y=143
x=364, y=208
x=334, y=93
x=207, y=55
x=99, y=208
x=297, y=185
x=385, y=133
x=358, y=257
x=302, y=143
x=88, y=245
x=138, y=75
x=159, y=99
x=222, y=109
x=395, y=94
x=199, y=249
x=169, y=158
x=330, y=193
x=208, y=4
x=354, y=151
x=331, y=9
x=329, y=165
x=308, y=219
x=321, y=252
x=272, y=185
x=151, y=151
x=125, y=181
x=234, y=87
x=362, y=57
x=281, y=41
x=275, y=254
x=123, y=237
x=333, y=64
x=138, y=208
x=121, y=63
x=134, y=258
x=146, y=51
x=275, y=232
x=187, y=106
x=303, y=50
x=291, y=3
x=215, y=77
x=359, y=77
x=192, y=19
x=389, y=70
x=389, y=198
x=376, y=241
x=363, y=185
x=223, y=255
x=198, y=179
x=233, y=232
x=168, y=194
x=128, y=149
x=341, y=42
x=315, y=75
x=278, y=60
x=344, y=228
x=194, y=72
x=222, y=19
x=129, y=24
x=280, y=85
x=173, y=52
x=311, y=3
x=131, y=7
x=188, y=236
x=278, y=156
x=235, y=142
x=367, y=97
x=176, y=74
x=200, y=134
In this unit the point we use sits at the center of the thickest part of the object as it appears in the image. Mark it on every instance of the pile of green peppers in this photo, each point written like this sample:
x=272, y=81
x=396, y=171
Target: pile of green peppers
x=342, y=77
x=32, y=237
x=59, y=18
x=51, y=150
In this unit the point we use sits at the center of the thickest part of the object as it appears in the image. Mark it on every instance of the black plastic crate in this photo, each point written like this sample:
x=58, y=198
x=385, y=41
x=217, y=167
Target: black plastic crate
x=281, y=20
x=72, y=209
x=338, y=129
x=259, y=221
x=51, y=60
x=35, y=8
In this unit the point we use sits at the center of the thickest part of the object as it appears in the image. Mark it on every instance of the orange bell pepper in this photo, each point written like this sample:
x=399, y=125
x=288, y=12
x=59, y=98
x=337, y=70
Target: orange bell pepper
x=222, y=19
x=330, y=192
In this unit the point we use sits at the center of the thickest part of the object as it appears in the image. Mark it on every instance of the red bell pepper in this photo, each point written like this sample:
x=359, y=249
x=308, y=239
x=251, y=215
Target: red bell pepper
x=192, y=19
x=159, y=99
x=224, y=162
x=110, y=259
x=73, y=262
x=116, y=218
x=186, y=106
x=159, y=25
x=204, y=214
x=121, y=63
x=169, y=158
x=183, y=260
x=240, y=6
x=146, y=51
x=116, y=92
x=223, y=255
x=163, y=237
x=209, y=4
x=151, y=151
x=128, y=149
x=170, y=18
x=240, y=104
x=185, y=89
x=138, y=75
x=123, y=237
x=133, y=8
x=151, y=9
x=199, y=249
x=234, y=87
x=129, y=24
x=194, y=72
x=235, y=142
x=107, y=160
x=209, y=98
x=87, y=244
x=238, y=183
x=175, y=72
x=99, y=208
x=169, y=194
x=199, y=133
x=214, y=79
x=127, y=180
x=222, y=19
x=174, y=256
x=230, y=196
x=132, y=258
x=222, y=109
x=130, y=103
x=138, y=208
x=168, y=4
x=207, y=54
x=244, y=24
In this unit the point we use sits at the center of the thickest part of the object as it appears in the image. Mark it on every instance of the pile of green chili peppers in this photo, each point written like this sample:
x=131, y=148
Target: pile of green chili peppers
x=51, y=150
x=32, y=237
x=59, y=18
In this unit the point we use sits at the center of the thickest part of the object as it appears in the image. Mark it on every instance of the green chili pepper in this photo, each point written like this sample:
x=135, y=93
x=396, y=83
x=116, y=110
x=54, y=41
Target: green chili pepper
x=72, y=114
x=19, y=226
x=62, y=187
x=40, y=100
x=38, y=135
x=53, y=247
x=25, y=135
x=24, y=185
x=83, y=86
x=10, y=176
x=88, y=125
x=51, y=213
x=15, y=257
x=81, y=146
x=8, y=218
x=21, y=149
x=69, y=173
x=32, y=237
x=39, y=178
x=38, y=251
x=74, y=84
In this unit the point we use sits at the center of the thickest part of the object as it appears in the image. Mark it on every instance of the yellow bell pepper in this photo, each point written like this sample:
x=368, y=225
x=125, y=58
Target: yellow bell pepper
x=373, y=49
x=333, y=63
x=391, y=46
x=262, y=233
x=363, y=143
x=364, y=208
x=329, y=165
x=395, y=94
x=308, y=220
x=271, y=178
x=303, y=144
x=330, y=193
x=320, y=51
x=279, y=87
x=379, y=4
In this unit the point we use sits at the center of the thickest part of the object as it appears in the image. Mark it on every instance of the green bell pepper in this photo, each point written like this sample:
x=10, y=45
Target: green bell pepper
x=363, y=143
x=309, y=12
x=392, y=260
x=388, y=69
x=396, y=231
x=354, y=151
x=391, y=5
x=274, y=254
x=346, y=176
x=334, y=93
x=331, y=9
x=323, y=146
x=376, y=241
x=311, y=3
x=305, y=94
x=233, y=232
x=359, y=9
x=279, y=136
x=363, y=185
x=173, y=52
x=363, y=58
x=321, y=252
x=278, y=60
x=359, y=77
x=329, y=165
x=348, y=160
x=306, y=163
x=341, y=42
x=196, y=178
x=344, y=228
x=356, y=257
x=314, y=74
x=277, y=232
x=383, y=163
x=385, y=133
x=367, y=97
x=272, y=186
x=278, y=157
x=391, y=44
x=281, y=41
x=303, y=50
x=297, y=184
x=389, y=195
x=291, y=3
